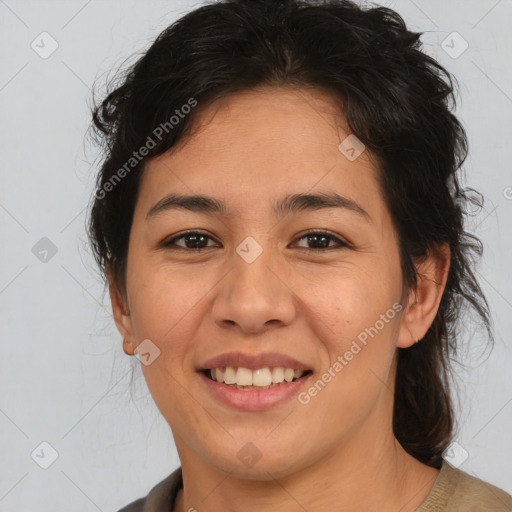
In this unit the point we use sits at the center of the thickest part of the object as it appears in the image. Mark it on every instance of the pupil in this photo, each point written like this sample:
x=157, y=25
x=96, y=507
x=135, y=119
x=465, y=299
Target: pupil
x=324, y=239
x=196, y=239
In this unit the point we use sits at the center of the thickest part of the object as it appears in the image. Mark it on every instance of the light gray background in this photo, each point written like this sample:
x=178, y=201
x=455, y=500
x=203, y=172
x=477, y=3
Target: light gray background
x=64, y=377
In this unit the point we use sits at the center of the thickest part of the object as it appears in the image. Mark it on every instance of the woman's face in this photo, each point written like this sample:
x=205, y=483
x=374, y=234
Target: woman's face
x=259, y=286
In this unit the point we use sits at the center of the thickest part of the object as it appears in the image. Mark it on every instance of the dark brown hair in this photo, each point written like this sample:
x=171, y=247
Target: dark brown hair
x=396, y=99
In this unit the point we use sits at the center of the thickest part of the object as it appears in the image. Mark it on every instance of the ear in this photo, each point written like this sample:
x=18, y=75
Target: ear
x=424, y=301
x=121, y=314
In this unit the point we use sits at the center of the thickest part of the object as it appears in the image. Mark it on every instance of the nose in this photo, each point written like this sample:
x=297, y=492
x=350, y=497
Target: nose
x=255, y=297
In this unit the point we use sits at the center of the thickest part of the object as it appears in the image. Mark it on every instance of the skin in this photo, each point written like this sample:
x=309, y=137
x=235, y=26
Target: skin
x=337, y=452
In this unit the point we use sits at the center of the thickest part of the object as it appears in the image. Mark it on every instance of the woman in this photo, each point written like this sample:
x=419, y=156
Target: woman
x=280, y=222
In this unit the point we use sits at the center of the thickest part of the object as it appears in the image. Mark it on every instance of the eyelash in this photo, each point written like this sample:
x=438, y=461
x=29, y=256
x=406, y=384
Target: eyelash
x=342, y=244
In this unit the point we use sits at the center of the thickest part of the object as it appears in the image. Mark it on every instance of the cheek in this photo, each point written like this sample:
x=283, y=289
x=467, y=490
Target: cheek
x=166, y=308
x=346, y=302
x=163, y=300
x=354, y=319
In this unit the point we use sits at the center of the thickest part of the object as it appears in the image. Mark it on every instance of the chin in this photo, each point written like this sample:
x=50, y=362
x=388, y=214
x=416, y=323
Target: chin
x=257, y=460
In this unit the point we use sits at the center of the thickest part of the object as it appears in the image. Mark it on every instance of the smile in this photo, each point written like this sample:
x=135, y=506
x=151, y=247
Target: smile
x=261, y=394
x=259, y=379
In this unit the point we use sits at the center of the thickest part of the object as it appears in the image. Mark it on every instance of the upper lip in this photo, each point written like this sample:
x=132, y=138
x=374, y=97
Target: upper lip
x=253, y=361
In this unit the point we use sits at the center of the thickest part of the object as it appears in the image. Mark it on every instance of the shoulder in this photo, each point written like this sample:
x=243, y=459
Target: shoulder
x=160, y=498
x=457, y=491
x=135, y=506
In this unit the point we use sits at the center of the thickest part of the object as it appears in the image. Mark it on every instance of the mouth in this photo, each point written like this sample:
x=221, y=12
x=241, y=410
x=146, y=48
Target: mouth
x=260, y=379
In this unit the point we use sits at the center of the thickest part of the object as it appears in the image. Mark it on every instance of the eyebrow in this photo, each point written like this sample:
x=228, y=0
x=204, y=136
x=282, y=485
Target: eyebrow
x=288, y=204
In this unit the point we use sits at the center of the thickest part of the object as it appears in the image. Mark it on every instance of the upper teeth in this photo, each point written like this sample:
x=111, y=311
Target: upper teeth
x=260, y=377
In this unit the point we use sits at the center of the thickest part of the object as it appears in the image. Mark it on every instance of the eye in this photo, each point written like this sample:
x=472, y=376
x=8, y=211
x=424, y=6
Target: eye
x=197, y=241
x=321, y=240
x=194, y=240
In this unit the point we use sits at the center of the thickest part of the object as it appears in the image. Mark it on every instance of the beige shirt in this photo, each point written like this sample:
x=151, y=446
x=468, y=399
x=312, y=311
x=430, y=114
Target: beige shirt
x=453, y=491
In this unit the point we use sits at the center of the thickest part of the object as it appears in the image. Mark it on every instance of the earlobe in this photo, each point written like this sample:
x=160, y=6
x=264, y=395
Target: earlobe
x=128, y=347
x=425, y=299
x=122, y=318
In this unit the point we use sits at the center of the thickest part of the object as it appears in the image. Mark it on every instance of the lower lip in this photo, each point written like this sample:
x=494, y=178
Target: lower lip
x=253, y=400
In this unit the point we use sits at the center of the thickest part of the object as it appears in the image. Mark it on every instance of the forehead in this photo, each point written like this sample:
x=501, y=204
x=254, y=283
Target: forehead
x=269, y=117
x=264, y=144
